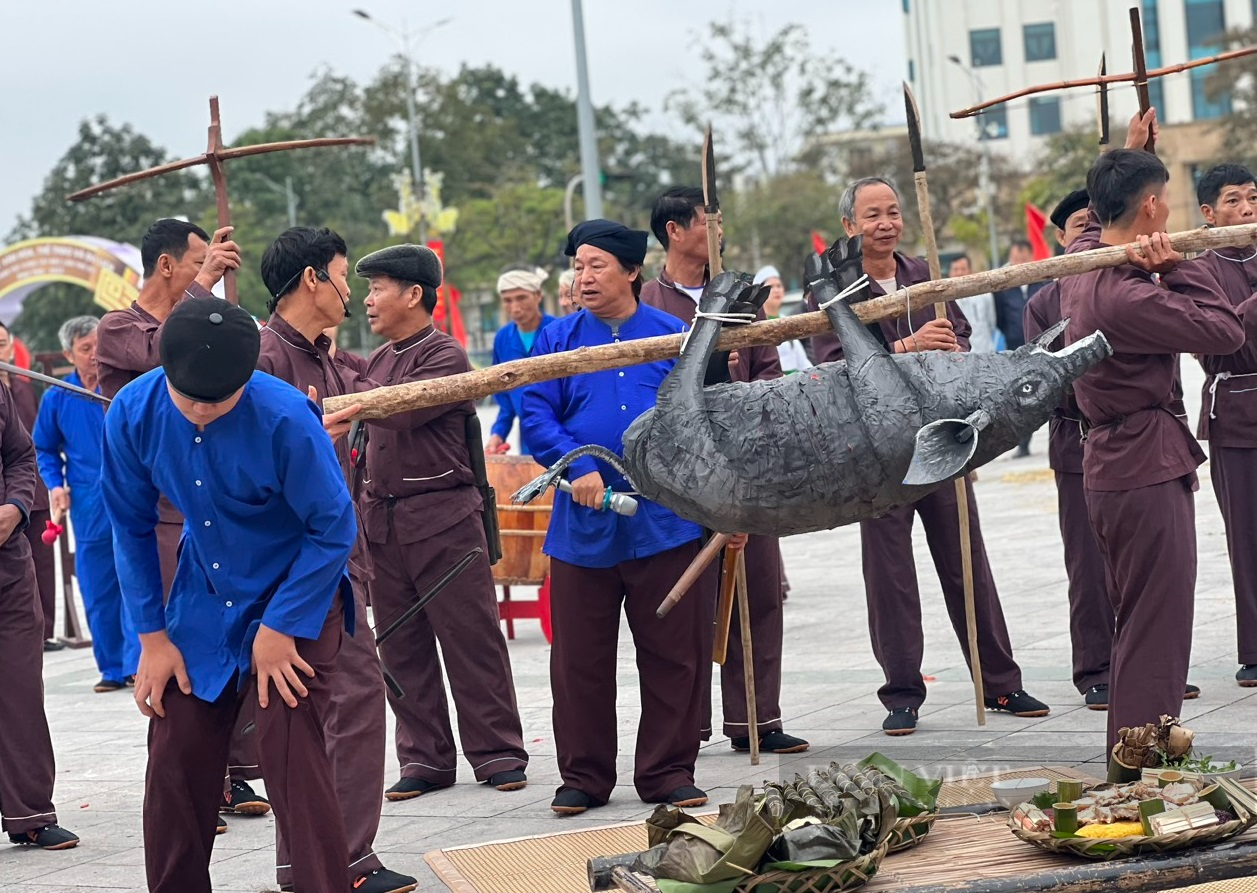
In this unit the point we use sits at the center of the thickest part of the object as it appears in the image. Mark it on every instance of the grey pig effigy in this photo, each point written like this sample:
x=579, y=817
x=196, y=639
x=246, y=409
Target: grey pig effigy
x=831, y=445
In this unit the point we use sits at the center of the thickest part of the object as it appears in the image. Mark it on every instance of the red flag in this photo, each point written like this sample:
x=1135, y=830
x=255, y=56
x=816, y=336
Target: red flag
x=447, y=296
x=1036, y=223
x=818, y=243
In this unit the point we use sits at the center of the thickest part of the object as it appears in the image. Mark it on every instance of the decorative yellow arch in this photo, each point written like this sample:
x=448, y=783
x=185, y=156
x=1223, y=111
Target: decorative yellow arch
x=109, y=270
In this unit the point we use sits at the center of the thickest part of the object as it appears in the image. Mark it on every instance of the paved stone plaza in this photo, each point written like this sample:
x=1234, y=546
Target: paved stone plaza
x=829, y=698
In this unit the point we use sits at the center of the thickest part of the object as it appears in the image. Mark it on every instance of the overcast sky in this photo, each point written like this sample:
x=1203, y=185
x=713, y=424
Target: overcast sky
x=154, y=65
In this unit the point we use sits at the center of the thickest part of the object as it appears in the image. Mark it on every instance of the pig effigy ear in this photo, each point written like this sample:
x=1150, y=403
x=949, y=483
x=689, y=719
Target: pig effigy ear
x=1046, y=338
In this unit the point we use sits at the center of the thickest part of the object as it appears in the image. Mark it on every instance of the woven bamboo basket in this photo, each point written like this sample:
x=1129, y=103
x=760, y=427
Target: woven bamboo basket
x=909, y=831
x=1243, y=803
x=844, y=876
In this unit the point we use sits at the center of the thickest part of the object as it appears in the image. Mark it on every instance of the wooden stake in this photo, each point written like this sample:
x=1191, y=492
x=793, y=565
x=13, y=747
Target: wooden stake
x=386, y=401
x=748, y=658
x=724, y=608
x=692, y=573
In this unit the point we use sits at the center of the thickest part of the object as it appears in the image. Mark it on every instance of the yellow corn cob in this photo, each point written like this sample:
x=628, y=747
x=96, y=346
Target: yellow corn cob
x=1115, y=829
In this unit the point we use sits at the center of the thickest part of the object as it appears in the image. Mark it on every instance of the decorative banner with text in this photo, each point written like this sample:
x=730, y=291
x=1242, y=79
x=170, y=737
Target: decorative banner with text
x=111, y=271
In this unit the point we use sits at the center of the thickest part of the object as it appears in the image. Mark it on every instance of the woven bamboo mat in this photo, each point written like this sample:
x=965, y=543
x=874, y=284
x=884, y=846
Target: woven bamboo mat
x=1242, y=885
x=556, y=862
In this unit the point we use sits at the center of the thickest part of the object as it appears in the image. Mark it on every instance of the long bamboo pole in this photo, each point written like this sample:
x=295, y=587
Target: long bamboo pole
x=386, y=401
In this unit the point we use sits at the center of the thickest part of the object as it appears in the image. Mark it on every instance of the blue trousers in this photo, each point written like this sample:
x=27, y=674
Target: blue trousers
x=114, y=641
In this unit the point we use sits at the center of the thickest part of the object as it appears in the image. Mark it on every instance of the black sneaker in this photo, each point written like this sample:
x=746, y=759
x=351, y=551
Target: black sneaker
x=1246, y=676
x=510, y=780
x=1097, y=698
x=108, y=685
x=900, y=721
x=1018, y=703
x=569, y=801
x=53, y=645
x=49, y=837
x=687, y=797
x=384, y=881
x=412, y=787
x=772, y=742
x=242, y=800
x=1191, y=693
x=221, y=827
x=129, y=681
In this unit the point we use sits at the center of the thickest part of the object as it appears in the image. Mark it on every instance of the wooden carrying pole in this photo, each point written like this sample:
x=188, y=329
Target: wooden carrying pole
x=962, y=482
x=748, y=659
x=382, y=402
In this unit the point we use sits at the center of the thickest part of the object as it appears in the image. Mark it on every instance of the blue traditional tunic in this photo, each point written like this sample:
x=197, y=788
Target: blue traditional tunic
x=512, y=344
x=269, y=527
x=68, y=433
x=598, y=407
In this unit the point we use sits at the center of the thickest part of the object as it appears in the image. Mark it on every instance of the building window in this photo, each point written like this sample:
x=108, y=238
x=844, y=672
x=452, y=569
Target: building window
x=912, y=69
x=1045, y=115
x=1041, y=41
x=994, y=123
x=985, y=48
x=1206, y=28
x=906, y=10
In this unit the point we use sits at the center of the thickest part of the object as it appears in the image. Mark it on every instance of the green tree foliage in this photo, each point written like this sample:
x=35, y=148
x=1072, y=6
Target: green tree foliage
x=772, y=94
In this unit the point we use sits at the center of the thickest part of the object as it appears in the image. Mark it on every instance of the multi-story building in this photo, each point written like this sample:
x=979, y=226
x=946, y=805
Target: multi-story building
x=960, y=53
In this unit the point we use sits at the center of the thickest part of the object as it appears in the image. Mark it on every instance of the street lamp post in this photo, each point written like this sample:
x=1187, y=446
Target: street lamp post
x=585, y=121
x=403, y=39
x=985, y=185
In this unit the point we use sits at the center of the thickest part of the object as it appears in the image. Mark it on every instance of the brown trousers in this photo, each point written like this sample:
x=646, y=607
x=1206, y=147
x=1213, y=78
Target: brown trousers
x=673, y=667
x=464, y=619
x=1234, y=477
x=1148, y=539
x=183, y=785
x=45, y=557
x=894, y=599
x=355, y=744
x=27, y=767
x=764, y=591
x=1091, y=619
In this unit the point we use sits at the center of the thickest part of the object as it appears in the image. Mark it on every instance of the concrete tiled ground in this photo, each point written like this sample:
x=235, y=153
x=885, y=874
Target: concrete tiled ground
x=829, y=697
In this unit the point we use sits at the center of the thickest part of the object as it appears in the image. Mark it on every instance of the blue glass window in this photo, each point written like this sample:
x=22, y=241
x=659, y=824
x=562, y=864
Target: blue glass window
x=1045, y=115
x=1040, y=41
x=985, y=48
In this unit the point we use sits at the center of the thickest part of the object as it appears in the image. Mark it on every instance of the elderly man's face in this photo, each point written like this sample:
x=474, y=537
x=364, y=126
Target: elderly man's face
x=523, y=307
x=1074, y=225
x=877, y=219
x=604, y=287
x=83, y=355
x=394, y=309
x=959, y=267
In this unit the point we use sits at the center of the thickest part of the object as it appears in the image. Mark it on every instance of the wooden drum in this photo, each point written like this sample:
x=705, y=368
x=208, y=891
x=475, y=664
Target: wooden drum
x=523, y=527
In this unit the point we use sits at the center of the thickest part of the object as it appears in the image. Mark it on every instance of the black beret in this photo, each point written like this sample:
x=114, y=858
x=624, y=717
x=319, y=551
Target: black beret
x=1075, y=201
x=629, y=245
x=209, y=348
x=405, y=263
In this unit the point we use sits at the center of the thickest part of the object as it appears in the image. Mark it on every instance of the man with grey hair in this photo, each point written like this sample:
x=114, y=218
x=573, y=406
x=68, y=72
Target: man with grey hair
x=68, y=434
x=871, y=210
x=567, y=293
x=520, y=291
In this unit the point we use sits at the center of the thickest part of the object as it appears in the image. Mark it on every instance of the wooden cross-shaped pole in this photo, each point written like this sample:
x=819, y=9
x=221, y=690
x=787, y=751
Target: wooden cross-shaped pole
x=215, y=155
x=1140, y=76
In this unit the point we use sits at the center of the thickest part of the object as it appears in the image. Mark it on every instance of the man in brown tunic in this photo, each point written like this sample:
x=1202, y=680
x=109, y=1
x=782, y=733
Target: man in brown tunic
x=871, y=208
x=1139, y=460
x=1228, y=412
x=44, y=555
x=175, y=254
x=306, y=271
x=421, y=512
x=679, y=223
x=27, y=768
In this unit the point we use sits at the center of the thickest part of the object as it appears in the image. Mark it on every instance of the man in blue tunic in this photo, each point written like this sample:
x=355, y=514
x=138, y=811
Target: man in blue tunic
x=601, y=560
x=520, y=291
x=260, y=599
x=68, y=433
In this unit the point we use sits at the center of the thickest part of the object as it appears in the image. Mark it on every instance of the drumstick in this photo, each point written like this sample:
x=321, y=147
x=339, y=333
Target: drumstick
x=724, y=607
x=693, y=572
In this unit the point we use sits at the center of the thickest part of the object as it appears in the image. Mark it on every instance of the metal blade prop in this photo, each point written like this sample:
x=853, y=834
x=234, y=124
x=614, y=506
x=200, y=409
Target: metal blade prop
x=1102, y=103
x=711, y=207
x=1141, y=68
x=962, y=490
x=55, y=382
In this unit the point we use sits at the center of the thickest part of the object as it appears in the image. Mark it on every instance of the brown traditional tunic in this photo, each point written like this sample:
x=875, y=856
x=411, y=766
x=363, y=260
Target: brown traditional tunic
x=890, y=577
x=27, y=768
x=1228, y=420
x=763, y=561
x=1139, y=463
x=356, y=726
x=420, y=511
x=44, y=555
x=1091, y=619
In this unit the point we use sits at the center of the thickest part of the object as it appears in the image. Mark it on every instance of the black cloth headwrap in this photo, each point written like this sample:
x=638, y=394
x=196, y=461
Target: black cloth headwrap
x=629, y=245
x=1075, y=201
x=209, y=348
